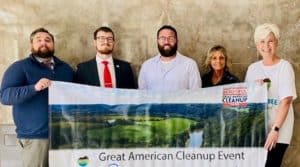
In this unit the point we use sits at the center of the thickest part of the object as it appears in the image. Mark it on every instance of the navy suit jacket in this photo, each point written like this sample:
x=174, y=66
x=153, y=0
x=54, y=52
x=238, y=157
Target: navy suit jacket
x=87, y=73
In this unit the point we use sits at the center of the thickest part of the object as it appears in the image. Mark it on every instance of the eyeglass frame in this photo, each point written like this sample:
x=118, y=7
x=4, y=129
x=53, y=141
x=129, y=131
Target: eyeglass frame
x=102, y=39
x=169, y=39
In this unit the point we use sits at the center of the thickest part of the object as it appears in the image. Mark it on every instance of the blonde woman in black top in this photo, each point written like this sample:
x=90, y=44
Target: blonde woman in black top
x=218, y=71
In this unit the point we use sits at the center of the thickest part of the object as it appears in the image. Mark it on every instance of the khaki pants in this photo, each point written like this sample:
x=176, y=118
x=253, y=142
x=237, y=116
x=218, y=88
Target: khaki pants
x=34, y=152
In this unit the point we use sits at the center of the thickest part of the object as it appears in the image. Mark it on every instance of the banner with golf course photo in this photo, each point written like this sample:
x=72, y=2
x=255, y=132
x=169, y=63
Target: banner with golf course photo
x=98, y=127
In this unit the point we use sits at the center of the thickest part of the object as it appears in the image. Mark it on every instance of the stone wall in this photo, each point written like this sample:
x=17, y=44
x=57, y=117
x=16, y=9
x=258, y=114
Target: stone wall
x=200, y=25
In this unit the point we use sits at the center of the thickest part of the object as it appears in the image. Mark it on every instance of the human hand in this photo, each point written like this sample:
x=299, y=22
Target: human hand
x=260, y=81
x=42, y=84
x=271, y=140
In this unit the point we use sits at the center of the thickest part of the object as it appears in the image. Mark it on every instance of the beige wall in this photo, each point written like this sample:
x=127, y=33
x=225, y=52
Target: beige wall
x=200, y=24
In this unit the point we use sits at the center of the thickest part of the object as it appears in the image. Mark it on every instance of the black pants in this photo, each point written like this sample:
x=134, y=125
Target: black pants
x=275, y=156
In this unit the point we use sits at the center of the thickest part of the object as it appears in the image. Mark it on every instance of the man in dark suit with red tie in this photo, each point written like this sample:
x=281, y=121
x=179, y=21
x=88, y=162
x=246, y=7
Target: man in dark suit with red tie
x=104, y=70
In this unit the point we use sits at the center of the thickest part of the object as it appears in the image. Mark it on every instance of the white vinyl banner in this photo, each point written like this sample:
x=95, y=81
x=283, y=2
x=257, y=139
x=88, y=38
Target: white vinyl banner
x=97, y=127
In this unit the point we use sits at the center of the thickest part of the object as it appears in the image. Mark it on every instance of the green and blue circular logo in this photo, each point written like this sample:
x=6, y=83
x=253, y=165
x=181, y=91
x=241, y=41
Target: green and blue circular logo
x=83, y=161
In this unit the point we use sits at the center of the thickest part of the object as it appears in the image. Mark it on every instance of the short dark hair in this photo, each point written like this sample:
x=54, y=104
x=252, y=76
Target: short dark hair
x=105, y=29
x=40, y=30
x=167, y=27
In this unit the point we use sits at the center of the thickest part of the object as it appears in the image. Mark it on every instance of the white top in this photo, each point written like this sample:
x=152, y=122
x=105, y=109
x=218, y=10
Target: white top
x=181, y=73
x=100, y=68
x=282, y=85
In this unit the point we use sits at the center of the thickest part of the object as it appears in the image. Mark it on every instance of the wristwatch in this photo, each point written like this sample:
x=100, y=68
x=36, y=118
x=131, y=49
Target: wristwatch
x=275, y=128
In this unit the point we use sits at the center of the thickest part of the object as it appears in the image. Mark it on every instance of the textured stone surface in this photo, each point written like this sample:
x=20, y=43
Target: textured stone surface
x=200, y=25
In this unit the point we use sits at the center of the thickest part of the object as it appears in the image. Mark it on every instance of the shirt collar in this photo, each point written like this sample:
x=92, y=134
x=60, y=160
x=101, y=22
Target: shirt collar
x=99, y=58
x=39, y=59
x=157, y=58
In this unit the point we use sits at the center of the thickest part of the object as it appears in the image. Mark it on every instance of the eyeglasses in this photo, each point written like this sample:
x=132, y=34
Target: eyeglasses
x=102, y=39
x=169, y=39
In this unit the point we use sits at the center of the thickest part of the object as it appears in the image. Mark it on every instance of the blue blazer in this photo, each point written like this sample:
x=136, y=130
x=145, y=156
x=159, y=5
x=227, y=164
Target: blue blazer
x=87, y=73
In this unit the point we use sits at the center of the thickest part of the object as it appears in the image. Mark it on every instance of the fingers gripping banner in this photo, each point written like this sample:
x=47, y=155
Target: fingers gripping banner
x=98, y=127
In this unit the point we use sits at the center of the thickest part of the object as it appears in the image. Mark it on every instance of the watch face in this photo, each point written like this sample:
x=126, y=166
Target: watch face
x=275, y=128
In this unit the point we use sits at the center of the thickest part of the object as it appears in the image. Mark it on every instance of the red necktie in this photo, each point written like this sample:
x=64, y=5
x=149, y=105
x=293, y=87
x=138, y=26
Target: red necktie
x=106, y=75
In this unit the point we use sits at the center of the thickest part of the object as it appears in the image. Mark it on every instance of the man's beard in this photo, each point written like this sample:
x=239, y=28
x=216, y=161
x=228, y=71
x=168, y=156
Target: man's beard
x=106, y=50
x=167, y=52
x=43, y=54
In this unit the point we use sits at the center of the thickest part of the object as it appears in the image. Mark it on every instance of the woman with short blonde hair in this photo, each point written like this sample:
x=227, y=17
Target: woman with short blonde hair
x=282, y=91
